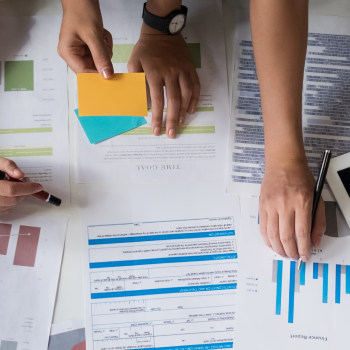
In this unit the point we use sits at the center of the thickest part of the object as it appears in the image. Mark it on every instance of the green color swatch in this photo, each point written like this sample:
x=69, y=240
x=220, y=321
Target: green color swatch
x=19, y=75
x=122, y=53
x=26, y=152
x=24, y=130
x=179, y=130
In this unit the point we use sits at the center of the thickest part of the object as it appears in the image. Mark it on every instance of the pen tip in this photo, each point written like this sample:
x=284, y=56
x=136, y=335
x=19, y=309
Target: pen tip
x=299, y=264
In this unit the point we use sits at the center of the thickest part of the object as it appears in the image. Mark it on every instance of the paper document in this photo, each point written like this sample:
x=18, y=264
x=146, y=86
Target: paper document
x=160, y=276
x=123, y=94
x=326, y=118
x=69, y=335
x=34, y=105
x=30, y=260
x=199, y=150
x=281, y=307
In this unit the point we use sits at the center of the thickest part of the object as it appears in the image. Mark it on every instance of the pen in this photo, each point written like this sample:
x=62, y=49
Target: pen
x=318, y=189
x=43, y=195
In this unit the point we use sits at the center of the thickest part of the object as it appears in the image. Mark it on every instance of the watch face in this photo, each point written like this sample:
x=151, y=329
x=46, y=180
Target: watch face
x=177, y=23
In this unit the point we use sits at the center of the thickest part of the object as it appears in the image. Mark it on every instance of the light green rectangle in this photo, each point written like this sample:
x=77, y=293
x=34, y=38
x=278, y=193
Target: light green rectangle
x=198, y=109
x=26, y=152
x=122, y=53
x=179, y=130
x=24, y=130
x=19, y=75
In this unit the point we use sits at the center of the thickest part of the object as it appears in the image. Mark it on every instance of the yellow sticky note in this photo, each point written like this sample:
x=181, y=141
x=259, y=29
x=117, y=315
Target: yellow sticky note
x=124, y=94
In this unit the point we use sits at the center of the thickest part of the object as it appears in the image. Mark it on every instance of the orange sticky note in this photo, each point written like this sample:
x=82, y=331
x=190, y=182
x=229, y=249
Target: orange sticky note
x=124, y=94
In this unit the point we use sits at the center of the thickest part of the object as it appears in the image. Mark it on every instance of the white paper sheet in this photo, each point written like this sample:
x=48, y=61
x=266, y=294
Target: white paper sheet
x=326, y=121
x=34, y=105
x=200, y=153
x=160, y=274
x=281, y=308
x=69, y=335
x=31, y=250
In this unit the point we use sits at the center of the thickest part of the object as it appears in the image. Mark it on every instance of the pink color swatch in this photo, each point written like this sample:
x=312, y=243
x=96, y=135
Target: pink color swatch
x=80, y=346
x=27, y=246
x=5, y=230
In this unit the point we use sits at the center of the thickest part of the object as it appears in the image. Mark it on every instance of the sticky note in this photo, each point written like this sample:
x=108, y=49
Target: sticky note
x=124, y=94
x=101, y=128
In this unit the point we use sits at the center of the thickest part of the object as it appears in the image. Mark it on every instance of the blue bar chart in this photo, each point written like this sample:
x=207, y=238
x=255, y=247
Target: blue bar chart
x=321, y=270
x=341, y=270
x=277, y=270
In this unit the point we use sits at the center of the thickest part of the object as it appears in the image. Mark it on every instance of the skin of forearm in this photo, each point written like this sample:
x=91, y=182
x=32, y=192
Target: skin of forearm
x=162, y=8
x=279, y=31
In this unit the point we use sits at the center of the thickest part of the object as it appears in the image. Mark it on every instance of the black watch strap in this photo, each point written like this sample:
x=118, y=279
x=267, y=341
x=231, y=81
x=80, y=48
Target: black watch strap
x=160, y=23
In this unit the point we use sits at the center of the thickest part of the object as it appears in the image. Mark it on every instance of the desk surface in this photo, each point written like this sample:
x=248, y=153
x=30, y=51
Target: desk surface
x=69, y=302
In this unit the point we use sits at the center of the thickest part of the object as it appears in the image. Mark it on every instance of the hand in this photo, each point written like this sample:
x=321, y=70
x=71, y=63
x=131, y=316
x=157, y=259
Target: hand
x=12, y=193
x=285, y=210
x=166, y=61
x=84, y=44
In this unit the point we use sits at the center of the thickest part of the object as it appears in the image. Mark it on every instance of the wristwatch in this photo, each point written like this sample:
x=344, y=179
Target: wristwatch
x=171, y=24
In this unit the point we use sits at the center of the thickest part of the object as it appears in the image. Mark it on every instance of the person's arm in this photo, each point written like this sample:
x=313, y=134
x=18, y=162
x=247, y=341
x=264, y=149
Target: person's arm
x=12, y=193
x=280, y=31
x=84, y=44
x=166, y=61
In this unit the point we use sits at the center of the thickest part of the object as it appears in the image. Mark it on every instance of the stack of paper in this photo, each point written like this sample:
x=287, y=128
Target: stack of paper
x=110, y=107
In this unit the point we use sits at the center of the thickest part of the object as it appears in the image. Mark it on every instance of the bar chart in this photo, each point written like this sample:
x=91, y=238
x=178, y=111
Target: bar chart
x=341, y=270
x=26, y=247
x=321, y=270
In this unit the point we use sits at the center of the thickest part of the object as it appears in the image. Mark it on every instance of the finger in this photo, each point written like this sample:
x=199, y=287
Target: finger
x=273, y=233
x=173, y=106
x=11, y=168
x=14, y=189
x=196, y=91
x=303, y=232
x=9, y=202
x=263, y=225
x=186, y=94
x=4, y=213
x=319, y=226
x=101, y=55
x=287, y=234
x=134, y=65
x=107, y=37
x=157, y=100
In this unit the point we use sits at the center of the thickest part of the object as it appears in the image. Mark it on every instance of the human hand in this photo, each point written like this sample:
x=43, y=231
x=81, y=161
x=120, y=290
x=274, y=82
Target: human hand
x=12, y=193
x=285, y=210
x=166, y=61
x=84, y=44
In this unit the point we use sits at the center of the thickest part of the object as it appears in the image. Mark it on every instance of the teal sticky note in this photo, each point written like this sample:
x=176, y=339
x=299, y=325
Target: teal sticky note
x=101, y=128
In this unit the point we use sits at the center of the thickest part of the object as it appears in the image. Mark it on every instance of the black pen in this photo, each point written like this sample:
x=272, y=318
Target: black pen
x=318, y=189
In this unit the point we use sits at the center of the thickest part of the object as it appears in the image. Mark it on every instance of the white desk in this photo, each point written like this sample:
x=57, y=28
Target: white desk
x=69, y=303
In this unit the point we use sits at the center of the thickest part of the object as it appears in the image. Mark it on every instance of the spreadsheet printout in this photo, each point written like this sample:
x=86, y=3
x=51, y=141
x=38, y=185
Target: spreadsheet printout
x=326, y=118
x=199, y=150
x=281, y=307
x=34, y=103
x=31, y=249
x=167, y=284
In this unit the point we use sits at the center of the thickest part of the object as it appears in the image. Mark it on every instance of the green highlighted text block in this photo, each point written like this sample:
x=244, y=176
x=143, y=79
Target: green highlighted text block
x=122, y=53
x=19, y=75
x=24, y=130
x=179, y=130
x=26, y=152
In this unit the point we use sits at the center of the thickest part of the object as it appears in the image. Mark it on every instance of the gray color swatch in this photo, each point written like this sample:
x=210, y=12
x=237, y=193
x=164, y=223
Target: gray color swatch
x=8, y=345
x=67, y=340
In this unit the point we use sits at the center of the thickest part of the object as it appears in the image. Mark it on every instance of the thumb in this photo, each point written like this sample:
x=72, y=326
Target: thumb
x=102, y=58
x=11, y=168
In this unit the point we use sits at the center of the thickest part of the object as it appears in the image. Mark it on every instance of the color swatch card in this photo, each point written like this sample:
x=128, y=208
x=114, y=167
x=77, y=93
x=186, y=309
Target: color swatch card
x=123, y=95
x=101, y=128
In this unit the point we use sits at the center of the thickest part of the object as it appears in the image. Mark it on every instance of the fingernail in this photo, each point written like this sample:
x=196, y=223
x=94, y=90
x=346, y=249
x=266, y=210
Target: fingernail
x=156, y=131
x=107, y=73
x=172, y=133
x=17, y=172
x=38, y=188
x=181, y=121
x=192, y=110
x=318, y=242
x=295, y=258
x=305, y=258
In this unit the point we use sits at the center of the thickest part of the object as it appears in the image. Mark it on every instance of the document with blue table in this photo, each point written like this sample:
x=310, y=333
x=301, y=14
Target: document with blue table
x=280, y=307
x=161, y=276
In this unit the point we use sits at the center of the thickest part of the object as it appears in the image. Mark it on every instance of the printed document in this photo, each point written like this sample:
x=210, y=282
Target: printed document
x=34, y=104
x=160, y=276
x=282, y=308
x=326, y=118
x=199, y=150
x=31, y=251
